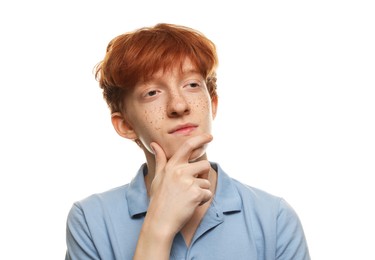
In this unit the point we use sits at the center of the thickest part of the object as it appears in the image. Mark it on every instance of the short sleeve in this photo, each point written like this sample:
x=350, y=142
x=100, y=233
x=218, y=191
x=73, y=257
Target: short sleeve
x=78, y=238
x=291, y=242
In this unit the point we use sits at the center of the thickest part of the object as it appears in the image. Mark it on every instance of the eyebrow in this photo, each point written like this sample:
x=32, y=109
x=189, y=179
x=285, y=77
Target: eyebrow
x=190, y=71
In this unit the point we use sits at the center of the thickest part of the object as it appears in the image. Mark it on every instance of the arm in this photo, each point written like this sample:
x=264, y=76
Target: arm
x=78, y=237
x=153, y=242
x=178, y=188
x=291, y=242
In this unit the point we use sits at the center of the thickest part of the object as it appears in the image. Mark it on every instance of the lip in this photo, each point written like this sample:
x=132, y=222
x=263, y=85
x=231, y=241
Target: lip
x=183, y=129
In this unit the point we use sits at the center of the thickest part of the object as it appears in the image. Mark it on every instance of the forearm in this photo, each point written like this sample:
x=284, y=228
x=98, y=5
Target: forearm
x=154, y=243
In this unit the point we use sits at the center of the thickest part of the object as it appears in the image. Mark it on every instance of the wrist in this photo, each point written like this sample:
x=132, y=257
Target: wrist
x=153, y=241
x=157, y=230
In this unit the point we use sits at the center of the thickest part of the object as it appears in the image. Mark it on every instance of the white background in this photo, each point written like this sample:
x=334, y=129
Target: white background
x=296, y=112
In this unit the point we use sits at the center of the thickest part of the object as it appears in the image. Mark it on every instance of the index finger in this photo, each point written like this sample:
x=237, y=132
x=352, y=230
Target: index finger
x=184, y=153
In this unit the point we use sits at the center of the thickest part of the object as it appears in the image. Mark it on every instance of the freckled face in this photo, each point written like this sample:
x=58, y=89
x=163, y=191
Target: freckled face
x=170, y=108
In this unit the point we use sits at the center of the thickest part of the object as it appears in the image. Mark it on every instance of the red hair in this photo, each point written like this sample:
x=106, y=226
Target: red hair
x=135, y=56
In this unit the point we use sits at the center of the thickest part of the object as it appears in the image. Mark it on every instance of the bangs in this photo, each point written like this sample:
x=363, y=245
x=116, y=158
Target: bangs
x=137, y=57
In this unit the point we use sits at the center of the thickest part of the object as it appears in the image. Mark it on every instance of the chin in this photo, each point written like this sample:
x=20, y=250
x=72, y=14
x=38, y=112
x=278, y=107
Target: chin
x=198, y=154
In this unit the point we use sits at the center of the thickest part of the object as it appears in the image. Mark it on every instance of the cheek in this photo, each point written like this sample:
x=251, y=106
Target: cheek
x=150, y=124
x=202, y=106
x=152, y=119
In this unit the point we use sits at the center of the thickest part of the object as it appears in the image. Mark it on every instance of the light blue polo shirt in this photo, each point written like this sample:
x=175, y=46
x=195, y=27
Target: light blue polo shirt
x=241, y=223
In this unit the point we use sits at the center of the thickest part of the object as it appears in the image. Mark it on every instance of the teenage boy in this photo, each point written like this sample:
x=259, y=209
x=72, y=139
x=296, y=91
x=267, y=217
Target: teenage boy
x=160, y=85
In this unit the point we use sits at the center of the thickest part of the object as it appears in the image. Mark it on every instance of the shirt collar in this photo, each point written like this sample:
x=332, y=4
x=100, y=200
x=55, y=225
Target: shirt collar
x=227, y=198
x=136, y=194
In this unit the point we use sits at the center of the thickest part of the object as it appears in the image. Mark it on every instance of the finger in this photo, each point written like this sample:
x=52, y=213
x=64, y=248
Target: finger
x=206, y=170
x=160, y=157
x=203, y=183
x=200, y=169
x=183, y=154
x=206, y=196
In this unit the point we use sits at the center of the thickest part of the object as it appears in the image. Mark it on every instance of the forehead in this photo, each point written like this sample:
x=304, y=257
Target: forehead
x=178, y=69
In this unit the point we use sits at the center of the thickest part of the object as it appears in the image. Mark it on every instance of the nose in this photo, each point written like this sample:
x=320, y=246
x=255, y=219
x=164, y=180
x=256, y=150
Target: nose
x=177, y=105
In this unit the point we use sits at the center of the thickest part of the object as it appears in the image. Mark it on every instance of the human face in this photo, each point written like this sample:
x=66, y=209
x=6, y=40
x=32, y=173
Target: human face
x=170, y=108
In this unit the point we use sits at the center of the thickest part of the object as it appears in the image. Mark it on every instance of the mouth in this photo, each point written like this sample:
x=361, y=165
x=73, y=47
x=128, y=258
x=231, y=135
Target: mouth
x=183, y=129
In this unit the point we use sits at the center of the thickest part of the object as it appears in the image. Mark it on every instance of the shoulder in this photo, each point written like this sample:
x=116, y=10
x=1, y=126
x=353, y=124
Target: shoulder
x=93, y=222
x=264, y=204
x=96, y=204
x=271, y=221
x=256, y=196
x=111, y=195
x=115, y=203
x=275, y=216
x=252, y=200
x=231, y=191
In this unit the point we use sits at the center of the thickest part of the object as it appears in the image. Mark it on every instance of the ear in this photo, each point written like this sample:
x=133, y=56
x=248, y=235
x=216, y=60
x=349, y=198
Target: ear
x=122, y=126
x=214, y=103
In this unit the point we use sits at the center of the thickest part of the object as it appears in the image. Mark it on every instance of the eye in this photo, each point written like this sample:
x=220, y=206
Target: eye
x=151, y=93
x=193, y=85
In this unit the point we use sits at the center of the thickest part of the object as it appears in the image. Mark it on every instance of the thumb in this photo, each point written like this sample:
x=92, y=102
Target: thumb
x=160, y=157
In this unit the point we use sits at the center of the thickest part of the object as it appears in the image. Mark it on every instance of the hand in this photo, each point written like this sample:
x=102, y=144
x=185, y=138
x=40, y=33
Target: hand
x=179, y=186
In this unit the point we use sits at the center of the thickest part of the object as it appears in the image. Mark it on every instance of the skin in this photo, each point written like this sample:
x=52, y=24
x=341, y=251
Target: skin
x=170, y=118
